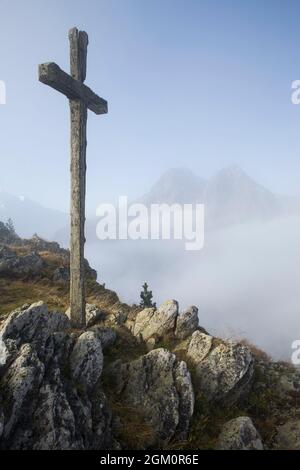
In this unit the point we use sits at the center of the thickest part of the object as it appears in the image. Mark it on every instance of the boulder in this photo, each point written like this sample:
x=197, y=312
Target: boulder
x=31, y=324
x=48, y=384
x=159, y=386
x=152, y=323
x=86, y=360
x=199, y=347
x=187, y=323
x=20, y=380
x=288, y=436
x=240, y=434
x=106, y=335
x=225, y=373
x=54, y=419
x=93, y=314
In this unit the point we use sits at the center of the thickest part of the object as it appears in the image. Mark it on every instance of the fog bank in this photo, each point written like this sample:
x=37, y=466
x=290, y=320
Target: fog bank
x=245, y=281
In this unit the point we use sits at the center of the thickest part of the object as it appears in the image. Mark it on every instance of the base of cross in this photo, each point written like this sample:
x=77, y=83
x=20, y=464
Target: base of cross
x=92, y=314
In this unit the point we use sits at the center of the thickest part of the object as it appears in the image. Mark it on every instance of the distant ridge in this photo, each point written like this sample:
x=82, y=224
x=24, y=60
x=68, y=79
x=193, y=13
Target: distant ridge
x=230, y=196
x=29, y=215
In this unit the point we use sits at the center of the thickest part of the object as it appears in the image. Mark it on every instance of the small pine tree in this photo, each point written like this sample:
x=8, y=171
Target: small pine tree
x=147, y=296
x=10, y=226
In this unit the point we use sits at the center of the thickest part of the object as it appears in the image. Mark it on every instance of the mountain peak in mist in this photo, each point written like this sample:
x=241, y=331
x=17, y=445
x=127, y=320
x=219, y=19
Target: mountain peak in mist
x=230, y=195
x=177, y=185
x=231, y=171
x=233, y=196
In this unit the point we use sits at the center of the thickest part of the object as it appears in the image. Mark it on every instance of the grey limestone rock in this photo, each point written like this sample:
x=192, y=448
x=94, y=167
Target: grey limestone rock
x=187, y=323
x=240, y=434
x=160, y=386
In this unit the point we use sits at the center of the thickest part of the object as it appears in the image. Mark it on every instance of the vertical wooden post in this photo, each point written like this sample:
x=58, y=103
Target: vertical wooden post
x=81, y=99
x=78, y=55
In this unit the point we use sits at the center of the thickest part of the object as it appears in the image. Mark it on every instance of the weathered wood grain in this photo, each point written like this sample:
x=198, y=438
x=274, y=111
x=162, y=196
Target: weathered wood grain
x=78, y=110
x=78, y=190
x=81, y=99
x=52, y=75
x=78, y=53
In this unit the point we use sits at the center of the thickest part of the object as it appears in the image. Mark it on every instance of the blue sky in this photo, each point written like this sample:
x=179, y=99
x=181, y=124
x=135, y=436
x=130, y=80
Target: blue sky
x=195, y=83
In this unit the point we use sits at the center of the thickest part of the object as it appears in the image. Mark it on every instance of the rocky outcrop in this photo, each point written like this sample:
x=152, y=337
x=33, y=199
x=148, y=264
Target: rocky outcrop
x=199, y=347
x=86, y=360
x=49, y=384
x=51, y=376
x=225, y=373
x=51, y=380
x=106, y=335
x=33, y=257
x=240, y=434
x=223, y=369
x=32, y=324
x=38, y=244
x=15, y=265
x=159, y=386
x=61, y=275
x=187, y=323
x=93, y=314
x=156, y=323
x=151, y=324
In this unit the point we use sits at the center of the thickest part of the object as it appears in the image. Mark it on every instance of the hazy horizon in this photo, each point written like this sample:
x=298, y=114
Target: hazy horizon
x=136, y=196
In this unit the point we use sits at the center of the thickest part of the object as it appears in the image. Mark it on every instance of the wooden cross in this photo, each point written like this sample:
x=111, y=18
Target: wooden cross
x=81, y=99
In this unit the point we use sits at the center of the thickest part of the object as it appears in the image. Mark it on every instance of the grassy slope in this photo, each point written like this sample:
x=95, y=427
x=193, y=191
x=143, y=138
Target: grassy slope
x=16, y=291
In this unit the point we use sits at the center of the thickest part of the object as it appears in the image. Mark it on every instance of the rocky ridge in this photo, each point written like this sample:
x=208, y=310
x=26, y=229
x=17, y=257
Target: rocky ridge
x=133, y=378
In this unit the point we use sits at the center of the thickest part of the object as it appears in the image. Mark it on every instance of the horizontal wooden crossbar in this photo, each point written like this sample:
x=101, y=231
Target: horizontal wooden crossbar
x=52, y=75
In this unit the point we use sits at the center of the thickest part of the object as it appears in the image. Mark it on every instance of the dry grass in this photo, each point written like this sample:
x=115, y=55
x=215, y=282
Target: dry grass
x=126, y=347
x=134, y=431
x=258, y=353
x=20, y=250
x=15, y=292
